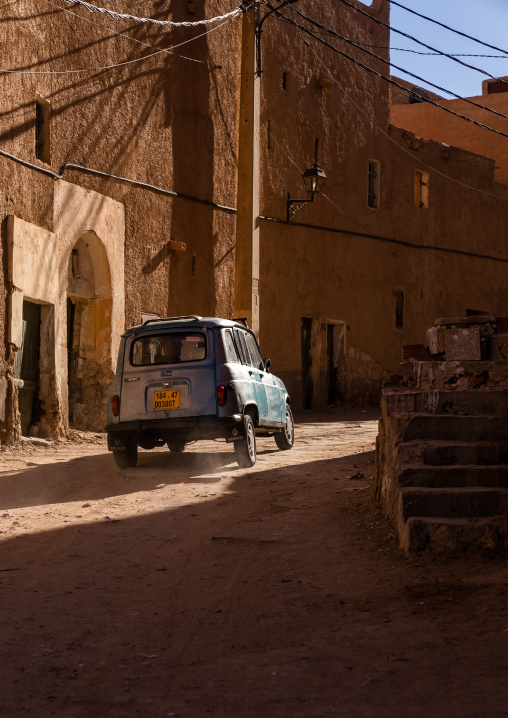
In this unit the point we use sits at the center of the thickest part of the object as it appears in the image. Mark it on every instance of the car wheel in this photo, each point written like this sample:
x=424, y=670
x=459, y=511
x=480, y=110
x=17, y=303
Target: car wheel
x=286, y=438
x=176, y=446
x=245, y=449
x=128, y=457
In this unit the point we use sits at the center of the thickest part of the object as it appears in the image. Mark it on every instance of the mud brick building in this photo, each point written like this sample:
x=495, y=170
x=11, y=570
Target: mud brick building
x=140, y=175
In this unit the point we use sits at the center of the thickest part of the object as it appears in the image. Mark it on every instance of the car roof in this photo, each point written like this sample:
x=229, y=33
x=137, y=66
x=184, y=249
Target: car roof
x=184, y=322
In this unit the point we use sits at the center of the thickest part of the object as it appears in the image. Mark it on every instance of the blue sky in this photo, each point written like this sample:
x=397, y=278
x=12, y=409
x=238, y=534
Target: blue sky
x=486, y=20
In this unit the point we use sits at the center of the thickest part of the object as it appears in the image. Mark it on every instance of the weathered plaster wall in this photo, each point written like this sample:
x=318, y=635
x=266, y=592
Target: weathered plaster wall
x=432, y=123
x=169, y=121
x=352, y=275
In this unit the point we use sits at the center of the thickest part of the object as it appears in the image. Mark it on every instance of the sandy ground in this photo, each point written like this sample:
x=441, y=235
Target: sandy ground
x=188, y=587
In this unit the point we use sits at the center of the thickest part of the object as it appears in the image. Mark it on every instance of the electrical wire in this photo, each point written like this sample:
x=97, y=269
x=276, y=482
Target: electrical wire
x=166, y=23
x=390, y=80
x=392, y=140
x=387, y=62
x=428, y=249
x=420, y=42
x=119, y=34
x=135, y=183
x=111, y=67
x=451, y=29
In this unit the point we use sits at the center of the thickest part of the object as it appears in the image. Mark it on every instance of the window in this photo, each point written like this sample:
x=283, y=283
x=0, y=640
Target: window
x=230, y=348
x=173, y=348
x=256, y=358
x=42, y=144
x=399, y=308
x=373, y=192
x=421, y=189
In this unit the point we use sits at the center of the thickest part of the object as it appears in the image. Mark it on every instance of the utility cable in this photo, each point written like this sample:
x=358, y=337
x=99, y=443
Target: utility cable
x=451, y=29
x=397, y=67
x=420, y=42
x=110, y=67
x=115, y=32
x=166, y=23
x=423, y=247
x=135, y=183
x=390, y=80
x=391, y=139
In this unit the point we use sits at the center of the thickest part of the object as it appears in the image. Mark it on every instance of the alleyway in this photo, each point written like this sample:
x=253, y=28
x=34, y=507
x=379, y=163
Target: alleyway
x=187, y=587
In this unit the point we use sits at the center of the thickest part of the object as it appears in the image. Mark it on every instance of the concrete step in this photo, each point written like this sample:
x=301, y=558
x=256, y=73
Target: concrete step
x=487, y=402
x=448, y=427
x=436, y=477
x=454, y=536
x=457, y=502
x=453, y=453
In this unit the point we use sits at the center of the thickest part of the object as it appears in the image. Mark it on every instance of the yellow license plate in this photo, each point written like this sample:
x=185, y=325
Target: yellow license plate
x=166, y=399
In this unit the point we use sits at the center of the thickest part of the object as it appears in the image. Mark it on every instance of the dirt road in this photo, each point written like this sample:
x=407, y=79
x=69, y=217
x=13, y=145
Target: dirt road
x=187, y=587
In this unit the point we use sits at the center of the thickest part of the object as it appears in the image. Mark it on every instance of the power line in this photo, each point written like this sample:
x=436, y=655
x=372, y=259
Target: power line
x=451, y=29
x=391, y=139
x=387, y=62
x=424, y=248
x=388, y=79
x=423, y=44
x=166, y=23
x=115, y=32
x=135, y=183
x=119, y=64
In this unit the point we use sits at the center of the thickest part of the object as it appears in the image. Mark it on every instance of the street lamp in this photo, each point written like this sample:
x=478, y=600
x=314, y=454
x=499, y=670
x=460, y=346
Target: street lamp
x=313, y=179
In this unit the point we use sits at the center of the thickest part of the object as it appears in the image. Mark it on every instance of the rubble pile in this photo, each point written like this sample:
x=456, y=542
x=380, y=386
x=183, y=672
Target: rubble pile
x=442, y=447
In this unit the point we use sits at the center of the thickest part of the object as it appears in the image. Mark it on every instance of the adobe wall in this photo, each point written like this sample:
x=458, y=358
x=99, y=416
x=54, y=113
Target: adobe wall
x=430, y=122
x=352, y=275
x=168, y=121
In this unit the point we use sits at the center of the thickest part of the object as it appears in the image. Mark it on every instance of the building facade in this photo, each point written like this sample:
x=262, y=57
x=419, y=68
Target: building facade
x=160, y=187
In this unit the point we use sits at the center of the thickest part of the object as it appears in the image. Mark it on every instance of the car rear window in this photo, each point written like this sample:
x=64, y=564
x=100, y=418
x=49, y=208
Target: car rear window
x=173, y=348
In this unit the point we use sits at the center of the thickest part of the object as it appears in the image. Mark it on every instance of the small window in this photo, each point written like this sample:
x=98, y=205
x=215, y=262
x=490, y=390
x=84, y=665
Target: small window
x=42, y=143
x=373, y=192
x=173, y=348
x=421, y=189
x=242, y=345
x=230, y=348
x=399, y=309
x=256, y=358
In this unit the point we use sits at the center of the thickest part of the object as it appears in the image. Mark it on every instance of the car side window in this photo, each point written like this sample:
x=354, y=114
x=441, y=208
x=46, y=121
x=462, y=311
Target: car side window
x=230, y=348
x=240, y=341
x=255, y=354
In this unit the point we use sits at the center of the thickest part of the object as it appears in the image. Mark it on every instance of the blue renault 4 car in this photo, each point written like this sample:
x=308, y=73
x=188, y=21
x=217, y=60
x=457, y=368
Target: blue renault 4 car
x=182, y=379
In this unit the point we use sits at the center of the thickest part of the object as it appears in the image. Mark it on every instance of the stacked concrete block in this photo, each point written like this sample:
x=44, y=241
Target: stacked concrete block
x=442, y=449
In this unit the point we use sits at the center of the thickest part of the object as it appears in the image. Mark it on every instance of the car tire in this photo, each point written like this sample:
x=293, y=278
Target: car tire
x=245, y=449
x=286, y=438
x=127, y=458
x=176, y=446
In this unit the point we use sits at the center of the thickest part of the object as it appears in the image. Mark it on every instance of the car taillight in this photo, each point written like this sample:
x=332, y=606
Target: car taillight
x=115, y=405
x=221, y=395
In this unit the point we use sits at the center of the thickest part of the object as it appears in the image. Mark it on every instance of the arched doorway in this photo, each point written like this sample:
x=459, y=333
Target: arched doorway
x=89, y=311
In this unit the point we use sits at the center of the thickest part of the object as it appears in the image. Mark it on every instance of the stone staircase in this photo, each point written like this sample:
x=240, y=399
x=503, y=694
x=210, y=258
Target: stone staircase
x=442, y=455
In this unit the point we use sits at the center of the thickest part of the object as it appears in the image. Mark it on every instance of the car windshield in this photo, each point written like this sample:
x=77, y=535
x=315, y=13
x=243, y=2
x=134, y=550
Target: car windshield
x=173, y=348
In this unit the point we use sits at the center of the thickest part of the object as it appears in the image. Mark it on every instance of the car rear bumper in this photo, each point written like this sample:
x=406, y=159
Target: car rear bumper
x=186, y=428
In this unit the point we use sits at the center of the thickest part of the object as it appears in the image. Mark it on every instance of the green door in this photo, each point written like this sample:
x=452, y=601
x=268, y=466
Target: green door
x=26, y=365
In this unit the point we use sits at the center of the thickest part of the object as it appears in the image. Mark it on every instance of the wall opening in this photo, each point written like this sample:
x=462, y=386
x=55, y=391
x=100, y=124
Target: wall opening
x=26, y=367
x=421, y=189
x=399, y=308
x=89, y=307
x=373, y=185
x=335, y=358
x=306, y=357
x=42, y=130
